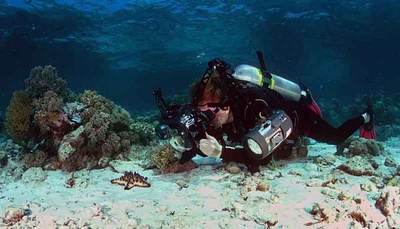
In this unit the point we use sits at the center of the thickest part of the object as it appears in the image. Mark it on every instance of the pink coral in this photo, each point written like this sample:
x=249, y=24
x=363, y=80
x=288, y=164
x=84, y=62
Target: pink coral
x=49, y=118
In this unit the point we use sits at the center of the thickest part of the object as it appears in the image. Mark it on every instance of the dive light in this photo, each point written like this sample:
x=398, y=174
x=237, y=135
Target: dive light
x=267, y=136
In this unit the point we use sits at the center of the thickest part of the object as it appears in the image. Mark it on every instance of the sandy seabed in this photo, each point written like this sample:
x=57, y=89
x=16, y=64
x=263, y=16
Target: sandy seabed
x=309, y=192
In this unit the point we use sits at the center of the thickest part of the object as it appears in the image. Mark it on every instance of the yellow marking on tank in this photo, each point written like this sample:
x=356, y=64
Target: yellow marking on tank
x=272, y=84
x=260, y=77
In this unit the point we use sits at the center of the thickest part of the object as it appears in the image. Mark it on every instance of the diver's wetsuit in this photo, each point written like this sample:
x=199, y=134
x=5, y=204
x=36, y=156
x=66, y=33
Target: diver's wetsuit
x=255, y=102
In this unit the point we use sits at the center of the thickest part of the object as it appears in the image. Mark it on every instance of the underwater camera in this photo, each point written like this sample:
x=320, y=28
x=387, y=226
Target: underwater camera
x=181, y=125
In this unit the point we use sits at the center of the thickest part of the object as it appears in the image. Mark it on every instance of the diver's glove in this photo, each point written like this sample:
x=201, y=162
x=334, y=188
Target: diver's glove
x=210, y=146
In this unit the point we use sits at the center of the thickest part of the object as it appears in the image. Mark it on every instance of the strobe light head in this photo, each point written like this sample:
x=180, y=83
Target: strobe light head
x=267, y=136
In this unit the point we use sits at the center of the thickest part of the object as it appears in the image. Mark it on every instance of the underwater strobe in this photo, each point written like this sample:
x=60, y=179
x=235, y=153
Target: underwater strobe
x=267, y=136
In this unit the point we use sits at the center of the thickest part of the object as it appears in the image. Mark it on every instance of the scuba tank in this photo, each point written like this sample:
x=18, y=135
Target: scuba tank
x=286, y=88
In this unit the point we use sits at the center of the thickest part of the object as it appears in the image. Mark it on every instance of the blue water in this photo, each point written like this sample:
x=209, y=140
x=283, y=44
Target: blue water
x=126, y=49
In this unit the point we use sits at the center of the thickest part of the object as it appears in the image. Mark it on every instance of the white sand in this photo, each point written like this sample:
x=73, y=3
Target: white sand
x=213, y=197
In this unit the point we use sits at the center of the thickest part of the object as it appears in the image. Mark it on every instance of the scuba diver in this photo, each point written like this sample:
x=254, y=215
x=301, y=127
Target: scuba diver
x=255, y=110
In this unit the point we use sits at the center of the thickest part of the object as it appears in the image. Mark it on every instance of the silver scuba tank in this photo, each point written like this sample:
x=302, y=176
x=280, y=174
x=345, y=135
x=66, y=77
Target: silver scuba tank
x=286, y=88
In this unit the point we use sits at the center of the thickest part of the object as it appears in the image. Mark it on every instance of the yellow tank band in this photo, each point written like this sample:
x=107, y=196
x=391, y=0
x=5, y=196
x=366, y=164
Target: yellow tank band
x=260, y=77
x=272, y=83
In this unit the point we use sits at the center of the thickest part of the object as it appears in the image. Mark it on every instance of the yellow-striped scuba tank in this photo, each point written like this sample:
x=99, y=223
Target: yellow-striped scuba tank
x=286, y=88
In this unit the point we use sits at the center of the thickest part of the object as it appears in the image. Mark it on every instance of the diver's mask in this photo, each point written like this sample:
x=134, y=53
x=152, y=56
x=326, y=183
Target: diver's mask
x=267, y=136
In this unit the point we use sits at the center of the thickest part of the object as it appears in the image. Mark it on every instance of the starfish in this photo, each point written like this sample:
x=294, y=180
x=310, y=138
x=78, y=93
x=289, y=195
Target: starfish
x=130, y=180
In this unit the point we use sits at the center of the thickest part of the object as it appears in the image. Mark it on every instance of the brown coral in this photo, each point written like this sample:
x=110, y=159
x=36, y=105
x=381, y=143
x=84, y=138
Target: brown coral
x=121, y=119
x=144, y=130
x=163, y=158
x=45, y=79
x=95, y=103
x=111, y=146
x=36, y=159
x=366, y=146
x=50, y=102
x=96, y=129
x=357, y=166
x=18, y=116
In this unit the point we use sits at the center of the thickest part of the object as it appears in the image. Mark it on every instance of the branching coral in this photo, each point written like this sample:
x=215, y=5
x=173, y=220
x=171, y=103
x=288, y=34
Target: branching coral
x=128, y=138
x=104, y=134
x=45, y=79
x=145, y=132
x=18, y=116
x=121, y=119
x=48, y=114
x=111, y=146
x=95, y=103
x=96, y=129
x=85, y=134
x=50, y=102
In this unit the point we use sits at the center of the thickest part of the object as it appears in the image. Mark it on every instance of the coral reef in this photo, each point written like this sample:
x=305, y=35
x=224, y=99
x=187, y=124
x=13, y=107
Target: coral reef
x=18, y=117
x=130, y=180
x=95, y=104
x=360, y=146
x=121, y=119
x=43, y=79
x=73, y=111
x=69, y=153
x=144, y=130
x=49, y=117
x=58, y=131
x=366, y=146
x=35, y=159
x=345, y=145
x=49, y=102
x=357, y=166
x=96, y=129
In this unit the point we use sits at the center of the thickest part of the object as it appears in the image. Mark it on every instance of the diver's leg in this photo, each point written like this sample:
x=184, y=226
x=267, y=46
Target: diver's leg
x=317, y=128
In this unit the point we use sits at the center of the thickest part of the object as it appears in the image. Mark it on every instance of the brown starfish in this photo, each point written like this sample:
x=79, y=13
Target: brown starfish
x=130, y=180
